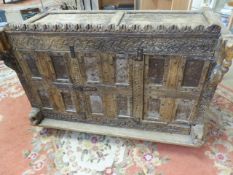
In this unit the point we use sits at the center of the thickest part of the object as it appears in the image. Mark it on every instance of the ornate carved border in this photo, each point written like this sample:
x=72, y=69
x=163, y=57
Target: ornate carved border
x=163, y=29
x=119, y=122
x=115, y=44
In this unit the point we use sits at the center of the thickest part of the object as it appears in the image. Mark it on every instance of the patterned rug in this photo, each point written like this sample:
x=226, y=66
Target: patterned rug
x=56, y=152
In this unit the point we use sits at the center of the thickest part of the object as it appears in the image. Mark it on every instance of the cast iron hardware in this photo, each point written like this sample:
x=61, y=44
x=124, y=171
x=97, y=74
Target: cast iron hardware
x=85, y=88
x=72, y=53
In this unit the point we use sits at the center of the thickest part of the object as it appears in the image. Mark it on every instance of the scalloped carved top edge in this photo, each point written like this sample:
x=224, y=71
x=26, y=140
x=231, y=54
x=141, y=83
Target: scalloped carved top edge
x=212, y=29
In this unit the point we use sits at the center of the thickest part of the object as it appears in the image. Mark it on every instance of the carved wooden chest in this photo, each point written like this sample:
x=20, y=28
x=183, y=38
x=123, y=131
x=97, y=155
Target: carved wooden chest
x=138, y=74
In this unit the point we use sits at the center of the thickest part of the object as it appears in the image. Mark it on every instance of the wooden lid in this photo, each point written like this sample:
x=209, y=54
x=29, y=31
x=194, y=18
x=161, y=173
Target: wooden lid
x=204, y=21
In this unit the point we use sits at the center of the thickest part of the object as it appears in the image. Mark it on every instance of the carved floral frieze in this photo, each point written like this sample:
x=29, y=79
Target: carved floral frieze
x=191, y=46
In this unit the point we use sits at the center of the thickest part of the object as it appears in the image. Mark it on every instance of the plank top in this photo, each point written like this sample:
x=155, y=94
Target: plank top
x=204, y=21
x=75, y=19
x=178, y=19
x=128, y=18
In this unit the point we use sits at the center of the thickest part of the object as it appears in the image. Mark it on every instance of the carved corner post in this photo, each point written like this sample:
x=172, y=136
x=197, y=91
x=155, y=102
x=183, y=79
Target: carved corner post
x=8, y=56
x=6, y=53
x=197, y=134
x=4, y=45
x=224, y=56
x=228, y=50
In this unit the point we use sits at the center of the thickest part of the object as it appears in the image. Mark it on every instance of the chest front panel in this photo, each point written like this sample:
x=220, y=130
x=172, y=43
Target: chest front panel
x=139, y=74
x=127, y=89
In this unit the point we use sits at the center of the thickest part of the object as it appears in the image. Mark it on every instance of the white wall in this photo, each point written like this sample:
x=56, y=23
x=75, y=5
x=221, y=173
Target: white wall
x=197, y=4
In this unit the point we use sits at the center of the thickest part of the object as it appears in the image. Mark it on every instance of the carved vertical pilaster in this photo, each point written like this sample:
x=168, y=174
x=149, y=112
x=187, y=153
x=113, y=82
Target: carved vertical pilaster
x=224, y=62
x=138, y=73
x=224, y=56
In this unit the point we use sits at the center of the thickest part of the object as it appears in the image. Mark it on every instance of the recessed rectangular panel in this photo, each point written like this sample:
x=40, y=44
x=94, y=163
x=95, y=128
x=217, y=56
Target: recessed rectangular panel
x=123, y=105
x=167, y=109
x=59, y=67
x=96, y=104
x=32, y=65
x=92, y=70
x=122, y=70
x=153, y=108
x=156, y=70
x=192, y=73
x=67, y=99
x=184, y=109
x=44, y=97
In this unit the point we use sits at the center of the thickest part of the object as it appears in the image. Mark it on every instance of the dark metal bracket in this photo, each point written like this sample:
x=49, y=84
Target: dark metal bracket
x=85, y=88
x=72, y=52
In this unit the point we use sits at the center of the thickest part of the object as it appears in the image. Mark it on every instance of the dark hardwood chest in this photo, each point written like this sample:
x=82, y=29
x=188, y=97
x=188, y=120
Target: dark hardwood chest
x=146, y=75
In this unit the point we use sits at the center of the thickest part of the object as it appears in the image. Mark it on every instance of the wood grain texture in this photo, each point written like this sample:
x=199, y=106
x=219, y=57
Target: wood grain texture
x=174, y=72
x=108, y=68
x=110, y=106
x=167, y=109
x=91, y=71
x=56, y=98
x=45, y=66
x=138, y=76
x=74, y=69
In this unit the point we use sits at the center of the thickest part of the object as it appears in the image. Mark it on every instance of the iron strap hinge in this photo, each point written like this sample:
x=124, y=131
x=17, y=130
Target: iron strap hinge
x=72, y=52
x=85, y=88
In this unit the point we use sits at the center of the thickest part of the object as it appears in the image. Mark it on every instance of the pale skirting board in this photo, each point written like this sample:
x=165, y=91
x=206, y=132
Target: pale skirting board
x=153, y=136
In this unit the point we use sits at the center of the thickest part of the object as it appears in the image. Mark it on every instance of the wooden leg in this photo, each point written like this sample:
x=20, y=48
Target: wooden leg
x=4, y=2
x=35, y=116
